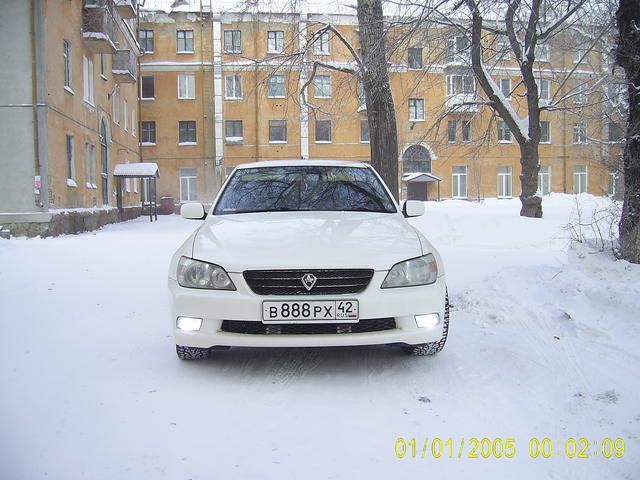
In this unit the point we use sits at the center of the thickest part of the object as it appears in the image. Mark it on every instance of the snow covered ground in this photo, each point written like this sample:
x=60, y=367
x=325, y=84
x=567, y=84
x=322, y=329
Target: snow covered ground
x=543, y=343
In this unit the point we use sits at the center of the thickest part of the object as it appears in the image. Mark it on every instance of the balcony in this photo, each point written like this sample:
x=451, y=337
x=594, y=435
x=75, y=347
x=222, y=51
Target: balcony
x=124, y=67
x=462, y=103
x=97, y=25
x=126, y=8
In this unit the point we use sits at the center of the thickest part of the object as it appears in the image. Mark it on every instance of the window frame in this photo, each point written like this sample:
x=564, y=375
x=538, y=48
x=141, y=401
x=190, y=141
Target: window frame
x=233, y=139
x=321, y=43
x=187, y=124
x=452, y=138
x=67, y=56
x=504, y=131
x=544, y=179
x=467, y=126
x=323, y=122
x=548, y=132
x=147, y=37
x=578, y=175
x=272, y=83
x=190, y=84
x=580, y=133
x=237, y=85
x=144, y=132
x=507, y=96
x=502, y=177
x=420, y=63
x=88, y=85
x=364, y=121
x=272, y=128
x=153, y=86
x=415, y=109
x=456, y=178
x=233, y=35
x=326, y=78
x=185, y=40
x=70, y=158
x=191, y=196
x=277, y=39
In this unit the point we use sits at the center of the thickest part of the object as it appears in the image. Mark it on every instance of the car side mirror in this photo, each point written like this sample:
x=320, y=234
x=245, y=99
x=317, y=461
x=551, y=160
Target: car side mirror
x=193, y=211
x=413, y=208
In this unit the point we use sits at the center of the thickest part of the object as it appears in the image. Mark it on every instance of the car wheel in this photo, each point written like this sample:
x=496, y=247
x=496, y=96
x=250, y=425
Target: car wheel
x=433, y=347
x=192, y=353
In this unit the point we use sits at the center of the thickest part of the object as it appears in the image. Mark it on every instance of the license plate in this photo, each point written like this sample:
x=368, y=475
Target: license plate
x=338, y=311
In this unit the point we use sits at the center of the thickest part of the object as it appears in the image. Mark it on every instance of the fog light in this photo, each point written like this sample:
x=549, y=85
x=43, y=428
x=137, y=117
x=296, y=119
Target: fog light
x=428, y=321
x=189, y=324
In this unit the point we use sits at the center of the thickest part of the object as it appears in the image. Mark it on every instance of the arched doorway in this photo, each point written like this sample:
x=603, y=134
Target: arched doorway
x=104, y=159
x=416, y=158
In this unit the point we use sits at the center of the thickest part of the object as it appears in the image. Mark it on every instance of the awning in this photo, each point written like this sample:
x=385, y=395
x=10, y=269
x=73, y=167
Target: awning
x=420, y=177
x=137, y=170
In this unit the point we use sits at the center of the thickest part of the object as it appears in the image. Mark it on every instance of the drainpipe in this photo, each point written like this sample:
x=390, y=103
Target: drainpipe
x=38, y=65
x=255, y=86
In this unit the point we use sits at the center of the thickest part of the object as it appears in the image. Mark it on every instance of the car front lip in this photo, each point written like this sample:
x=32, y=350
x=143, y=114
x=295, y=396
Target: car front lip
x=214, y=306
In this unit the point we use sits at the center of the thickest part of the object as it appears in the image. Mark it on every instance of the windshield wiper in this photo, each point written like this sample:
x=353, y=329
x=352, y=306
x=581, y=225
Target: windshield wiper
x=263, y=210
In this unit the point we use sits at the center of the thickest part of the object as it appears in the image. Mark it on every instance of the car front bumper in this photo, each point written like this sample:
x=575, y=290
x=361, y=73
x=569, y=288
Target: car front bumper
x=215, y=306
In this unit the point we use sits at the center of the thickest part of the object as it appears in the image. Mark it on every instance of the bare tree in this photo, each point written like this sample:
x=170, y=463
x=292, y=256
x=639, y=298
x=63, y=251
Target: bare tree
x=628, y=57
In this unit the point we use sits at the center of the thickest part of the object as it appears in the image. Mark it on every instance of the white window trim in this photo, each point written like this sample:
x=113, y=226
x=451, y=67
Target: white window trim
x=70, y=179
x=276, y=41
x=154, y=88
x=277, y=96
x=549, y=141
x=177, y=42
x=455, y=176
x=502, y=175
x=187, y=144
x=508, y=96
x=188, y=177
x=417, y=119
x=148, y=144
x=586, y=175
x=226, y=90
x=186, y=75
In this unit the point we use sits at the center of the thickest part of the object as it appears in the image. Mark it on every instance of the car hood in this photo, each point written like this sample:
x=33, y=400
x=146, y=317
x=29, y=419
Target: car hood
x=281, y=240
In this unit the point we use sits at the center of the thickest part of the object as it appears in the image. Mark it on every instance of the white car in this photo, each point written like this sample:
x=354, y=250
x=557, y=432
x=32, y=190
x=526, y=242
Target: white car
x=306, y=254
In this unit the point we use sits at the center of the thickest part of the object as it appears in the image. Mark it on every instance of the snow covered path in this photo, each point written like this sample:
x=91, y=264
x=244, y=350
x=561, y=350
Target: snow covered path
x=543, y=343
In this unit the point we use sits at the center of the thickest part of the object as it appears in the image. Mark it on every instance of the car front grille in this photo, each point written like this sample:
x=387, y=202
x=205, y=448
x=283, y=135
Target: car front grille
x=259, y=328
x=289, y=282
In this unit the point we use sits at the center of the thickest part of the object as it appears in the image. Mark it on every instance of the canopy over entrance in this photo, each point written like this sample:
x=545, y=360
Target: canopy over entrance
x=416, y=169
x=149, y=173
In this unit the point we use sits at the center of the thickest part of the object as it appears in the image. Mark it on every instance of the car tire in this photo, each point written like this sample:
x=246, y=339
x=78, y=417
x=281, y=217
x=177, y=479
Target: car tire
x=432, y=348
x=192, y=353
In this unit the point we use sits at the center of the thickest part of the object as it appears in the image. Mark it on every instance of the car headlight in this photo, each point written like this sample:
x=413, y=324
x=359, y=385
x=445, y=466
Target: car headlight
x=417, y=271
x=197, y=274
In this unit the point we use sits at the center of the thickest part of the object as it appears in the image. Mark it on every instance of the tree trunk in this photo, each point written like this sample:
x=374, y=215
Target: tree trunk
x=380, y=109
x=529, y=161
x=628, y=57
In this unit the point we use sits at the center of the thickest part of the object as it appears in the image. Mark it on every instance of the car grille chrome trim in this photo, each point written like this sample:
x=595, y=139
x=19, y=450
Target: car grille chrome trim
x=289, y=282
x=259, y=328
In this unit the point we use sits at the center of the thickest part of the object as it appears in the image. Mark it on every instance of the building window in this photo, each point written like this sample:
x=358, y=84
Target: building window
x=233, y=87
x=275, y=41
x=90, y=165
x=466, y=130
x=457, y=84
x=459, y=178
x=504, y=134
x=185, y=41
x=612, y=186
x=578, y=53
x=416, y=109
x=233, y=41
x=71, y=167
x=125, y=115
x=188, y=184
x=415, y=58
x=451, y=131
x=579, y=133
x=544, y=179
x=115, y=106
x=364, y=131
x=542, y=52
x=545, y=132
x=133, y=122
x=233, y=131
x=103, y=66
x=615, y=132
x=276, y=86
x=147, y=88
x=145, y=38
x=323, y=131
x=580, y=179
x=66, y=53
x=278, y=131
x=580, y=94
x=457, y=49
x=187, y=132
x=186, y=86
x=544, y=91
x=148, y=132
x=504, y=181
x=87, y=79
x=322, y=86
x=361, y=95
x=321, y=43
x=505, y=87
x=503, y=49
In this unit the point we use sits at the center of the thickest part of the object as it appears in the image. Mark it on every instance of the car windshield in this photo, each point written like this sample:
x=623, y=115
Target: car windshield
x=304, y=188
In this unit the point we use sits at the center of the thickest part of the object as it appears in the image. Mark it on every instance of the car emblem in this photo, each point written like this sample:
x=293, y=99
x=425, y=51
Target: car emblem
x=308, y=280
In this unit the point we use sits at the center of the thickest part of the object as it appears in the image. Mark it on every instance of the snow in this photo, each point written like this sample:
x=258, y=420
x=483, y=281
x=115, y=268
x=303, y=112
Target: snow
x=71, y=183
x=543, y=343
x=147, y=169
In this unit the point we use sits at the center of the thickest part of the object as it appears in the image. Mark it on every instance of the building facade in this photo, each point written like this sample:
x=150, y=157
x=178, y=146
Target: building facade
x=70, y=115
x=223, y=89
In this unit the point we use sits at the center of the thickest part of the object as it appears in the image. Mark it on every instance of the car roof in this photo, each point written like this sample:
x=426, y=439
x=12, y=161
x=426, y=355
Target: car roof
x=299, y=162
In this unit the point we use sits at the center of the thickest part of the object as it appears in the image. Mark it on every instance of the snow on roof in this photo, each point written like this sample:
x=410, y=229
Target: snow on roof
x=143, y=169
x=416, y=177
x=304, y=163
